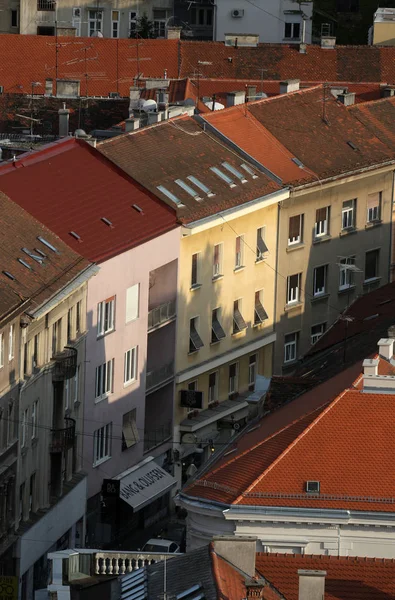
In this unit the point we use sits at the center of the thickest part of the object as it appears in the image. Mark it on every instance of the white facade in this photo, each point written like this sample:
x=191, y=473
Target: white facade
x=294, y=530
x=275, y=21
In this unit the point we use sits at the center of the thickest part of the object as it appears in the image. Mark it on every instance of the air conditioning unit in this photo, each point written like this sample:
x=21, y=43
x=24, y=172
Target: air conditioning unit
x=313, y=487
x=238, y=13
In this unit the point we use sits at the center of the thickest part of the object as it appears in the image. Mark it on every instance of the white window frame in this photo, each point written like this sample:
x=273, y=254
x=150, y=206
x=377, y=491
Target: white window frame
x=132, y=21
x=102, y=439
x=25, y=423
x=102, y=307
x=218, y=266
x=233, y=381
x=160, y=24
x=196, y=283
x=11, y=340
x=76, y=20
x=290, y=347
x=321, y=228
x=95, y=23
x=319, y=333
x=346, y=276
x=260, y=235
x=374, y=212
x=104, y=376
x=348, y=215
x=76, y=386
x=130, y=433
x=34, y=419
x=115, y=22
x=130, y=365
x=239, y=255
x=1, y=350
x=299, y=238
x=252, y=366
x=293, y=294
x=322, y=290
x=292, y=36
x=213, y=396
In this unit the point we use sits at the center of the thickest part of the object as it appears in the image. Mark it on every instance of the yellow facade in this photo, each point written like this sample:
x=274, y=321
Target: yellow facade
x=384, y=33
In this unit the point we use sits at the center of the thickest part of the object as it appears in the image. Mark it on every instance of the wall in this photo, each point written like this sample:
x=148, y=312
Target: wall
x=384, y=33
x=265, y=17
x=6, y=6
x=302, y=258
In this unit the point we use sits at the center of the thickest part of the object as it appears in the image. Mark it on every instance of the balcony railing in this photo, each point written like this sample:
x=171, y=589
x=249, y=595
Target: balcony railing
x=161, y=314
x=63, y=439
x=65, y=364
x=158, y=377
x=45, y=4
x=155, y=437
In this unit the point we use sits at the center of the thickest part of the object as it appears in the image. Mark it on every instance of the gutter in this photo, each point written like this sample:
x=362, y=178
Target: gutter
x=343, y=175
x=391, y=225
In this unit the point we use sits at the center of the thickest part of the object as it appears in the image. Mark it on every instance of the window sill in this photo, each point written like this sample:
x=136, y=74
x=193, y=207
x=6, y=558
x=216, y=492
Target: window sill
x=101, y=398
x=195, y=286
x=102, y=335
x=319, y=297
x=258, y=325
x=290, y=363
x=129, y=383
x=215, y=343
x=346, y=290
x=236, y=333
x=238, y=269
x=293, y=247
x=293, y=306
x=101, y=461
x=372, y=224
x=260, y=260
x=217, y=278
x=368, y=282
x=322, y=238
x=348, y=231
x=193, y=352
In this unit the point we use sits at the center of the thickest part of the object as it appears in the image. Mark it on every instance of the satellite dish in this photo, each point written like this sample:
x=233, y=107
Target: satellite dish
x=149, y=105
x=188, y=438
x=261, y=95
x=97, y=34
x=217, y=105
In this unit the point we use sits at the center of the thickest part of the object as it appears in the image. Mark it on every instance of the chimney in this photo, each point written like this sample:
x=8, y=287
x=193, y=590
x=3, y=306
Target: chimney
x=254, y=588
x=311, y=584
x=289, y=85
x=48, y=87
x=302, y=48
x=391, y=332
x=388, y=91
x=386, y=348
x=64, y=115
x=154, y=116
x=131, y=124
x=370, y=366
x=134, y=95
x=235, y=98
x=173, y=33
x=162, y=99
x=251, y=92
x=328, y=42
x=347, y=98
x=240, y=552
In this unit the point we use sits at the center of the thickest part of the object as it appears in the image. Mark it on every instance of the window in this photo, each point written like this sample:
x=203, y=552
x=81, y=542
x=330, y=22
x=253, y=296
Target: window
x=11, y=338
x=35, y=357
x=95, y=22
x=372, y=264
x=46, y=5
x=67, y=393
x=76, y=22
x=192, y=387
x=115, y=23
x=233, y=378
x=25, y=424
x=195, y=342
x=25, y=352
x=104, y=379
x=130, y=367
x=239, y=253
x=201, y=16
x=260, y=314
x=290, y=347
x=132, y=302
x=319, y=280
x=70, y=324
x=14, y=18
x=132, y=23
x=261, y=247
x=76, y=384
x=217, y=333
x=102, y=443
x=321, y=227
x=106, y=316
x=213, y=387
x=195, y=270
x=78, y=318
x=130, y=434
x=292, y=31
x=217, y=260
x=238, y=322
x=159, y=18
x=317, y=331
x=293, y=288
x=1, y=350
x=348, y=214
x=34, y=418
x=10, y=423
x=252, y=369
x=374, y=207
x=295, y=233
x=346, y=273
x=21, y=500
x=32, y=492
x=56, y=337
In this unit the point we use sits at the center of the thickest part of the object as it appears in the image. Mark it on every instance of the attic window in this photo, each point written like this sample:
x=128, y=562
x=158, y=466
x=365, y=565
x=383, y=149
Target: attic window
x=138, y=208
x=249, y=171
x=75, y=235
x=297, y=162
x=107, y=221
x=47, y=244
x=313, y=487
x=201, y=186
x=25, y=264
x=234, y=172
x=223, y=176
x=40, y=252
x=187, y=188
x=352, y=145
x=170, y=195
x=8, y=274
x=371, y=317
x=35, y=257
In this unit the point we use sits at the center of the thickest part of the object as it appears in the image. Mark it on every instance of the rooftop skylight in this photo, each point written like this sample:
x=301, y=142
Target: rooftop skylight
x=8, y=274
x=170, y=195
x=37, y=257
x=138, y=208
x=297, y=162
x=75, y=235
x=223, y=176
x=107, y=221
x=47, y=244
x=234, y=171
x=352, y=145
x=187, y=188
x=25, y=264
x=249, y=170
x=201, y=186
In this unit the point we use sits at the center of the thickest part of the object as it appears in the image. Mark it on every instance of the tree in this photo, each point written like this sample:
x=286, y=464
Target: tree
x=144, y=28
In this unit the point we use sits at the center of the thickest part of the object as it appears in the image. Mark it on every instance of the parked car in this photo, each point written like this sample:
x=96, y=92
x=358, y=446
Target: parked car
x=161, y=545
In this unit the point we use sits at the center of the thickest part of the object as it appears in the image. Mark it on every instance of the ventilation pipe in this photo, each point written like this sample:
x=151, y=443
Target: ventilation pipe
x=64, y=115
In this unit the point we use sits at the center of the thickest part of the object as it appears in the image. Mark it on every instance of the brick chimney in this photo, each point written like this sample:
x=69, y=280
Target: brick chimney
x=240, y=552
x=311, y=584
x=255, y=588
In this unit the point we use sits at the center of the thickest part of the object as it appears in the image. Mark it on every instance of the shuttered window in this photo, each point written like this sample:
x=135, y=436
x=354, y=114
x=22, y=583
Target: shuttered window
x=195, y=341
x=260, y=314
x=217, y=332
x=295, y=229
x=238, y=322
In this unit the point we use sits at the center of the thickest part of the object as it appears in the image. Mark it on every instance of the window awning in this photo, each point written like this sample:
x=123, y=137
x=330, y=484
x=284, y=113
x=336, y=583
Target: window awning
x=143, y=483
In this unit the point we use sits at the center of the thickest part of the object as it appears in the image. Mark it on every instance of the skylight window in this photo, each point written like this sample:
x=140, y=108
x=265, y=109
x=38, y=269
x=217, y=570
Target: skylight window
x=8, y=274
x=234, y=171
x=352, y=145
x=25, y=264
x=201, y=186
x=138, y=208
x=35, y=257
x=40, y=252
x=187, y=188
x=75, y=235
x=47, y=244
x=297, y=162
x=249, y=171
x=170, y=195
x=223, y=176
x=107, y=221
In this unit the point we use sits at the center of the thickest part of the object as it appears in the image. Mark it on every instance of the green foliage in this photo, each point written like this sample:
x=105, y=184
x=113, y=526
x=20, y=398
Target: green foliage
x=144, y=28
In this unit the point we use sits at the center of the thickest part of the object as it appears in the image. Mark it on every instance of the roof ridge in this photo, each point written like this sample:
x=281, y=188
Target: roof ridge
x=293, y=443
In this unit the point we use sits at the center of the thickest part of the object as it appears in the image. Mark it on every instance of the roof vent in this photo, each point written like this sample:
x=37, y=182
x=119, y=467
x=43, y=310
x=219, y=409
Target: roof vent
x=348, y=99
x=75, y=235
x=313, y=487
x=352, y=145
x=138, y=208
x=9, y=275
x=107, y=222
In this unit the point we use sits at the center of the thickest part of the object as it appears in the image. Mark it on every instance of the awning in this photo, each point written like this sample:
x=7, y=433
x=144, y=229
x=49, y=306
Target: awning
x=143, y=483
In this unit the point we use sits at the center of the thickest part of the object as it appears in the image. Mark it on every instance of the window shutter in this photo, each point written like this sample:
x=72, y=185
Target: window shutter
x=132, y=303
x=294, y=227
x=194, y=269
x=373, y=200
x=320, y=215
x=216, y=254
x=261, y=246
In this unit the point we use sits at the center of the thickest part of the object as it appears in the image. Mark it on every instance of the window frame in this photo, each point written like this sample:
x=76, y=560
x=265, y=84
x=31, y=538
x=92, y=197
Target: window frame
x=194, y=323
x=347, y=273
x=96, y=21
x=292, y=25
x=233, y=389
x=314, y=337
x=11, y=342
x=192, y=386
x=349, y=211
x=104, y=369
x=115, y=22
x=106, y=444
x=239, y=252
x=195, y=270
x=322, y=290
x=216, y=336
x=318, y=233
x=213, y=397
x=376, y=252
x=291, y=344
x=295, y=299
x=131, y=368
x=239, y=323
x=294, y=240
x=374, y=219
x=252, y=368
x=102, y=317
x=129, y=419
x=261, y=247
x=220, y=261
x=259, y=307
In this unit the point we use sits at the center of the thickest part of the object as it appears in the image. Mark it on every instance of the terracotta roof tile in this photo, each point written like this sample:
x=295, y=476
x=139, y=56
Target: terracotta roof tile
x=229, y=581
x=67, y=185
x=378, y=117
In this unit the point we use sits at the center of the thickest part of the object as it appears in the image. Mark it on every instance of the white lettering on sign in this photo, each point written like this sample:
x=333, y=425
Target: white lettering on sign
x=134, y=487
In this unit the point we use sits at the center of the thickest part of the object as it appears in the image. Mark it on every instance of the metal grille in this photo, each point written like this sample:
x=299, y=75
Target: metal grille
x=260, y=313
x=195, y=341
x=217, y=332
x=238, y=322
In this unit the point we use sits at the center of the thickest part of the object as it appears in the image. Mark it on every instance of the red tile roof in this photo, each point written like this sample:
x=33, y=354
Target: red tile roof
x=179, y=148
x=68, y=186
x=348, y=578
x=30, y=287
x=378, y=117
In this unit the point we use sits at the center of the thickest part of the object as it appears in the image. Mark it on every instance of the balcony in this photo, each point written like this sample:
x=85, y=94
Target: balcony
x=65, y=364
x=159, y=377
x=63, y=439
x=156, y=437
x=44, y=5
x=165, y=313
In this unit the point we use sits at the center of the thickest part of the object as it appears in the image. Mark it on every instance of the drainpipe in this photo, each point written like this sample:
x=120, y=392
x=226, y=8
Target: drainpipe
x=391, y=225
x=279, y=204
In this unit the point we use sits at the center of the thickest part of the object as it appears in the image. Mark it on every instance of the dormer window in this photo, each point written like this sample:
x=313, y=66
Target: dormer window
x=313, y=487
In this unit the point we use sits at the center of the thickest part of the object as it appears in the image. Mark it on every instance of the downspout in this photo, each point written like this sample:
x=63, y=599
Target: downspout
x=215, y=21
x=390, y=262
x=276, y=277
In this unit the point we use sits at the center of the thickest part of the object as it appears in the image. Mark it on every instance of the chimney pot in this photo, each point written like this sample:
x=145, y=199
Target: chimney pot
x=64, y=115
x=311, y=584
x=370, y=366
x=328, y=42
x=347, y=98
x=289, y=85
x=240, y=552
x=386, y=348
x=235, y=98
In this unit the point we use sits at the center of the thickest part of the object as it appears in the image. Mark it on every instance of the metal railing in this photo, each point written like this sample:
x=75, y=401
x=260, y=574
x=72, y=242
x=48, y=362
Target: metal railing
x=161, y=314
x=63, y=439
x=159, y=376
x=65, y=364
x=45, y=4
x=155, y=437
